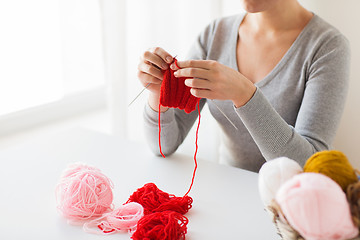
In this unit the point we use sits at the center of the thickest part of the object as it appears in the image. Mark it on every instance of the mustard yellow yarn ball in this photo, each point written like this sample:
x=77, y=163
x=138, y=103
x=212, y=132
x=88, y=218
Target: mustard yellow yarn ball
x=333, y=164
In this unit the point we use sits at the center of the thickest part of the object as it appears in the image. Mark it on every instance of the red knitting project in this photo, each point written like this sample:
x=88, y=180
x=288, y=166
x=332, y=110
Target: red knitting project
x=174, y=93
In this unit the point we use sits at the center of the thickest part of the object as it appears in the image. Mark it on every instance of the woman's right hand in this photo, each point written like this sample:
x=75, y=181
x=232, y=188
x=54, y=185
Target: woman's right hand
x=150, y=69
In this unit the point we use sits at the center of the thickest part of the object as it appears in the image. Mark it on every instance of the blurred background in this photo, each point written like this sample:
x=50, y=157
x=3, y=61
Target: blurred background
x=73, y=63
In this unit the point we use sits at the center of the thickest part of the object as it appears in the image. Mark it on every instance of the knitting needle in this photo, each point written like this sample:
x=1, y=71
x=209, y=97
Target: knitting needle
x=224, y=114
x=139, y=94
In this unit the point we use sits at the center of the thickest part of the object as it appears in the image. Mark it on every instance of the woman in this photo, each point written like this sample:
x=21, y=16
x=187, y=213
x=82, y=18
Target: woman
x=278, y=71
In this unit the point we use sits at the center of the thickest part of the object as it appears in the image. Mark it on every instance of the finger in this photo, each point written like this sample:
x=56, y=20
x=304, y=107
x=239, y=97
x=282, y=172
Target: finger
x=198, y=83
x=165, y=56
x=193, y=73
x=146, y=79
x=151, y=58
x=151, y=70
x=205, y=64
x=174, y=66
x=201, y=93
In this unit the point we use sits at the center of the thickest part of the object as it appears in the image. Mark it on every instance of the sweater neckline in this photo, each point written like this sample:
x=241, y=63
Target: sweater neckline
x=287, y=56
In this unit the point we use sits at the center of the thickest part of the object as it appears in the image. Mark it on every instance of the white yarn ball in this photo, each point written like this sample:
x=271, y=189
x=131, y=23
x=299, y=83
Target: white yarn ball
x=273, y=174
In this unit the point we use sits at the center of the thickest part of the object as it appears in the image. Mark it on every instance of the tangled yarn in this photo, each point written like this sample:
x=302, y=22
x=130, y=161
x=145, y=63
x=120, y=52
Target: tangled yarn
x=168, y=225
x=124, y=218
x=316, y=207
x=83, y=192
x=353, y=197
x=333, y=164
x=273, y=174
x=155, y=200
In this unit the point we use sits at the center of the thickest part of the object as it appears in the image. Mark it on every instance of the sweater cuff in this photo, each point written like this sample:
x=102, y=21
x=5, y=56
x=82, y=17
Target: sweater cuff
x=255, y=110
x=252, y=103
x=152, y=116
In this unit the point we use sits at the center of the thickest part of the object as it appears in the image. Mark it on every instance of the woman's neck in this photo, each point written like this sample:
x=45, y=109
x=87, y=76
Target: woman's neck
x=286, y=15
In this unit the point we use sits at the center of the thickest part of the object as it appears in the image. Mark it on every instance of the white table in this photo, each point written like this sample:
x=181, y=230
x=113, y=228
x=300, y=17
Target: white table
x=226, y=200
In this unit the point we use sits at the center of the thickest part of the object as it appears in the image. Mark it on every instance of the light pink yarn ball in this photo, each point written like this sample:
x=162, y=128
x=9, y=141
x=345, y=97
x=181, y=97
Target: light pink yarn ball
x=83, y=192
x=316, y=207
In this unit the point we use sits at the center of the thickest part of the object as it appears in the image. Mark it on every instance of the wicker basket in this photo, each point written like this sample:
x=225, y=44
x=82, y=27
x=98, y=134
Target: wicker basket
x=283, y=227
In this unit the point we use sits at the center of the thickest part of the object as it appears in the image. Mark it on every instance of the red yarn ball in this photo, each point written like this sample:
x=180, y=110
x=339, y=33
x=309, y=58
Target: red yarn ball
x=155, y=200
x=166, y=225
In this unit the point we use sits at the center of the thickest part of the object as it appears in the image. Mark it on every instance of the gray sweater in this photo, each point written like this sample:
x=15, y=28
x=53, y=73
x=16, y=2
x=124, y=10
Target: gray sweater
x=294, y=112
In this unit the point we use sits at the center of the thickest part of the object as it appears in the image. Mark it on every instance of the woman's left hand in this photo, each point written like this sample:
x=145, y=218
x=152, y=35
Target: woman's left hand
x=212, y=80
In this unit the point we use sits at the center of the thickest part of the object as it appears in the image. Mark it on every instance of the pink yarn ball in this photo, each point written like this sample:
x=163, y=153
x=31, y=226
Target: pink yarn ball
x=83, y=192
x=316, y=207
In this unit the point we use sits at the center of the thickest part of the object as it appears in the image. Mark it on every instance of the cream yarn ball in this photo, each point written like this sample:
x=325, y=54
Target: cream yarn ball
x=273, y=174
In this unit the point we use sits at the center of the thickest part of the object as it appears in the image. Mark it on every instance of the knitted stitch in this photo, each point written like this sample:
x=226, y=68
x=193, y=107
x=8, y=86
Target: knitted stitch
x=174, y=93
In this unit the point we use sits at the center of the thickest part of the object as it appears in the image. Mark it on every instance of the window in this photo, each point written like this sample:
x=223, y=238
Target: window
x=48, y=50
x=30, y=54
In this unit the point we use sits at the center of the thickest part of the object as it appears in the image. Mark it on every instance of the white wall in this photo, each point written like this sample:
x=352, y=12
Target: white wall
x=345, y=16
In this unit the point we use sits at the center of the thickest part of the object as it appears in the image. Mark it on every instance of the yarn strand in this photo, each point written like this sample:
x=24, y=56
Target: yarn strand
x=196, y=150
x=160, y=132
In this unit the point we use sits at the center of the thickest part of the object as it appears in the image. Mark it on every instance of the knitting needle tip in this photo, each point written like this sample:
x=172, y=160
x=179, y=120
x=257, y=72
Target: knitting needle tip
x=139, y=94
x=222, y=112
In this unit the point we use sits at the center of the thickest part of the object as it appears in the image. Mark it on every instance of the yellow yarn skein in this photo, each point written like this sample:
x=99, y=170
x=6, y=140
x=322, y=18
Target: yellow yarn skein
x=333, y=164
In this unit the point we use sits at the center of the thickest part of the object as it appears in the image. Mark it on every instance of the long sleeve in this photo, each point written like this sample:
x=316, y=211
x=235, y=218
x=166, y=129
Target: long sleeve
x=320, y=110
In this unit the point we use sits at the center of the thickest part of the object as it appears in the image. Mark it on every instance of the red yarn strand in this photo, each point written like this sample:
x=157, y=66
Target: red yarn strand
x=196, y=149
x=159, y=123
x=174, y=93
x=175, y=62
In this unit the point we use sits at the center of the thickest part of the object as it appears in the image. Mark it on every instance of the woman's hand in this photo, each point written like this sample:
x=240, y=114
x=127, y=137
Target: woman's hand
x=212, y=80
x=150, y=70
